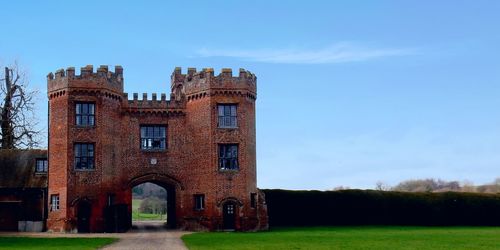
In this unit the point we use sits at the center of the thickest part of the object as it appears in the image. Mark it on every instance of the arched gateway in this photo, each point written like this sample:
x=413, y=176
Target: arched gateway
x=169, y=184
x=199, y=146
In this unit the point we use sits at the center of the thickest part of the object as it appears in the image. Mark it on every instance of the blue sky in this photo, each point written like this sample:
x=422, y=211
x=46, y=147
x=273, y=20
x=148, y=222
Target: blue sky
x=349, y=92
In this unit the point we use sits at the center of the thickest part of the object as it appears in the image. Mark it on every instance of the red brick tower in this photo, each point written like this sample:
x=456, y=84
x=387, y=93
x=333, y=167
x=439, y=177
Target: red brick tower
x=199, y=145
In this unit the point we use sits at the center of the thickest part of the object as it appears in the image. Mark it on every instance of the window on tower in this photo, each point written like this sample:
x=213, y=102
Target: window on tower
x=227, y=117
x=85, y=114
x=199, y=201
x=84, y=156
x=228, y=157
x=54, y=202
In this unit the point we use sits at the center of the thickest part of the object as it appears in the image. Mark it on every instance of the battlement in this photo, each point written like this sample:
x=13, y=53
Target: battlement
x=195, y=81
x=154, y=104
x=102, y=78
x=225, y=72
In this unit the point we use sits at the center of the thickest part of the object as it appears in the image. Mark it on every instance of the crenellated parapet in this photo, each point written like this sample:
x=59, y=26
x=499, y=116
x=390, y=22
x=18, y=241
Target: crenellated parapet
x=102, y=78
x=185, y=87
x=197, y=84
x=154, y=105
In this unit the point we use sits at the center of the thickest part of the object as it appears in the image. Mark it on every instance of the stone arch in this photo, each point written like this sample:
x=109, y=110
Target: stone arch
x=155, y=178
x=77, y=200
x=230, y=199
x=170, y=184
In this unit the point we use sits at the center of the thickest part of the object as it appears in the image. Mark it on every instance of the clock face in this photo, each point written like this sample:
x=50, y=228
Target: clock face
x=153, y=161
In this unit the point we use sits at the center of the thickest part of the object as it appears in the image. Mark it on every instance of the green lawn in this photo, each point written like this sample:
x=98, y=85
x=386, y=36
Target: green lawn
x=370, y=237
x=142, y=216
x=53, y=243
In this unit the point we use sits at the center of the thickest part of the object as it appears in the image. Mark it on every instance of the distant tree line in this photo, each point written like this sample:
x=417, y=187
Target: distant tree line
x=153, y=198
x=433, y=185
x=146, y=190
x=153, y=205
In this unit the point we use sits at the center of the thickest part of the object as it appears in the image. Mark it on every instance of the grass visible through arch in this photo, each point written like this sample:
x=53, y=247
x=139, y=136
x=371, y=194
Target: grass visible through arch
x=53, y=243
x=138, y=216
x=365, y=237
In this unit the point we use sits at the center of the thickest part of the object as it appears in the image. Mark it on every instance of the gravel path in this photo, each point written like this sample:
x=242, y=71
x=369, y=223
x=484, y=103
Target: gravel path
x=149, y=235
x=144, y=236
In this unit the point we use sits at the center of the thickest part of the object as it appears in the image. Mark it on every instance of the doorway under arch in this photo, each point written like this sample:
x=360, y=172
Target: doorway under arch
x=229, y=215
x=118, y=213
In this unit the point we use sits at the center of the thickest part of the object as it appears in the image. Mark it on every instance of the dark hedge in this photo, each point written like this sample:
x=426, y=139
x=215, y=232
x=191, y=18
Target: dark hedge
x=370, y=207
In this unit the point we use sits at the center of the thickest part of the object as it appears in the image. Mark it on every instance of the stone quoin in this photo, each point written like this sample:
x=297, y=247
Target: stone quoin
x=200, y=145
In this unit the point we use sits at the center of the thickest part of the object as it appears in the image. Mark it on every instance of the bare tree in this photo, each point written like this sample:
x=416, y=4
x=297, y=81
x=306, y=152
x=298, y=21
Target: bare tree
x=338, y=188
x=382, y=186
x=493, y=187
x=17, y=104
x=417, y=185
x=468, y=186
x=428, y=185
x=496, y=182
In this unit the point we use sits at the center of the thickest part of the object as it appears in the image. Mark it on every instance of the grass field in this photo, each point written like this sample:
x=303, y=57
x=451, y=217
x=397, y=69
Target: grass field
x=376, y=237
x=142, y=216
x=53, y=243
x=136, y=215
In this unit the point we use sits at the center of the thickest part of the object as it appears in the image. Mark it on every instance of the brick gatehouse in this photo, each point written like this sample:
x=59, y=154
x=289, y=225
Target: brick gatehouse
x=199, y=145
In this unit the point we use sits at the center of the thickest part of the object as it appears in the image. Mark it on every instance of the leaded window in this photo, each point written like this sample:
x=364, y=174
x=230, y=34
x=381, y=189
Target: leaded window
x=227, y=116
x=228, y=156
x=41, y=166
x=153, y=137
x=85, y=114
x=84, y=156
x=199, y=201
x=54, y=202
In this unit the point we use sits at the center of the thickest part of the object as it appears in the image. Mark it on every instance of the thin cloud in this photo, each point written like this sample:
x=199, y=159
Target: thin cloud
x=336, y=53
